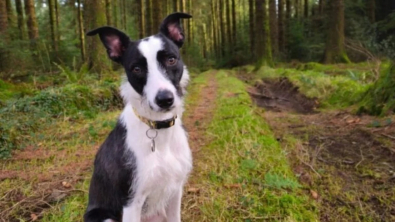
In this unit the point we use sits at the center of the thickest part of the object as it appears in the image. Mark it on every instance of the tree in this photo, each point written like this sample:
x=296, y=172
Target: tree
x=140, y=20
x=371, y=6
x=95, y=16
x=3, y=34
x=281, y=28
x=148, y=18
x=32, y=26
x=228, y=23
x=234, y=23
x=10, y=13
x=321, y=6
x=251, y=25
x=306, y=8
x=19, y=12
x=222, y=27
x=81, y=31
x=264, y=51
x=109, y=12
x=335, y=51
x=273, y=26
x=52, y=24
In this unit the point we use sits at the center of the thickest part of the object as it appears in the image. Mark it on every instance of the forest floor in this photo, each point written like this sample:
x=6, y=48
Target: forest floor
x=284, y=159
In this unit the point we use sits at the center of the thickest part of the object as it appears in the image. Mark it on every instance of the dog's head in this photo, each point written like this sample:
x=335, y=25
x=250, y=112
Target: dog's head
x=155, y=72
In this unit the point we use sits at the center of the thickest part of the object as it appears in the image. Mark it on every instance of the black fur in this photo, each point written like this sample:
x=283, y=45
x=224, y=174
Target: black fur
x=110, y=188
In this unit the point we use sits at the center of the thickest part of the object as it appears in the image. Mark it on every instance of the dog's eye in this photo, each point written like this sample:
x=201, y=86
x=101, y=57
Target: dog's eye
x=136, y=70
x=171, y=61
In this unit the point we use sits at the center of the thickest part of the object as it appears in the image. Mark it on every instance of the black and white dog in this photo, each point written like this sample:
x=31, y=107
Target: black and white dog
x=140, y=169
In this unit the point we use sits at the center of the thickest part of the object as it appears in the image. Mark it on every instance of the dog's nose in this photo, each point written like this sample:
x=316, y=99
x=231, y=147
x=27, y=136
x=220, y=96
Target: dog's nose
x=164, y=99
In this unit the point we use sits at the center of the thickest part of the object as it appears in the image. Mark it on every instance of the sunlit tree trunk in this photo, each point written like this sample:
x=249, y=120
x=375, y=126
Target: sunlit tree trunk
x=52, y=24
x=81, y=31
x=264, y=51
x=95, y=16
x=273, y=26
x=32, y=26
x=335, y=51
x=20, y=16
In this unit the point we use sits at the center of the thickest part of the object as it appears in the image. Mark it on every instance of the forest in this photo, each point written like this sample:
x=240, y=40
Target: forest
x=290, y=107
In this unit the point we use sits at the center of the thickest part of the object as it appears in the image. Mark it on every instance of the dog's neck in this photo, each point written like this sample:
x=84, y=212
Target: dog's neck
x=155, y=124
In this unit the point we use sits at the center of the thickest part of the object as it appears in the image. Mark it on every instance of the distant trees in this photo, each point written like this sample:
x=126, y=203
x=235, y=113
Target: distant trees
x=335, y=49
x=223, y=33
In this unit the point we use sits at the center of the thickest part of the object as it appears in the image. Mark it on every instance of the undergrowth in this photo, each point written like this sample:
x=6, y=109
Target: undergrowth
x=21, y=118
x=333, y=91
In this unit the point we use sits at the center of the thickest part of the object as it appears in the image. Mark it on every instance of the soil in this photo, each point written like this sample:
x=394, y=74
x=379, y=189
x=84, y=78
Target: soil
x=281, y=95
x=345, y=162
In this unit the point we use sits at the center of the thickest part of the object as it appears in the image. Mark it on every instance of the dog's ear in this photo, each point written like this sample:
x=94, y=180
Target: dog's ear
x=171, y=27
x=115, y=41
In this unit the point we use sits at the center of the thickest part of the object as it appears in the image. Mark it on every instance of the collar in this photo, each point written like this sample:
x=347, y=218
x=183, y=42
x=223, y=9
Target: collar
x=167, y=123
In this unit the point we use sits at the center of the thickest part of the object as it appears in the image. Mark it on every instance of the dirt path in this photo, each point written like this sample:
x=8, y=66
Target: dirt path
x=198, y=117
x=346, y=162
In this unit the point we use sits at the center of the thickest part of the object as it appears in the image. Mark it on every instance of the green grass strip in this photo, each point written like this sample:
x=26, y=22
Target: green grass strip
x=244, y=172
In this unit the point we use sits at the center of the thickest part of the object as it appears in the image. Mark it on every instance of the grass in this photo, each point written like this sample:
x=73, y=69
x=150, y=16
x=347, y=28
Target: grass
x=244, y=154
x=333, y=91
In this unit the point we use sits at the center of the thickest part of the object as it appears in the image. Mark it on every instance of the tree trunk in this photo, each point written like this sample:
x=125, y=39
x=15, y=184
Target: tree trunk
x=321, y=6
x=306, y=8
x=32, y=26
x=214, y=27
x=273, y=26
x=109, y=12
x=52, y=24
x=234, y=24
x=371, y=8
x=95, y=16
x=296, y=6
x=288, y=10
x=148, y=19
x=175, y=8
x=264, y=51
x=139, y=11
x=281, y=31
x=124, y=16
x=156, y=16
x=228, y=24
x=3, y=35
x=10, y=13
x=252, y=26
x=335, y=51
x=222, y=27
x=57, y=20
x=81, y=31
x=21, y=25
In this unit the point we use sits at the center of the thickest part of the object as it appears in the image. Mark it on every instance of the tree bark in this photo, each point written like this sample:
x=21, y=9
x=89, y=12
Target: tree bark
x=139, y=7
x=335, y=51
x=109, y=12
x=21, y=25
x=95, y=16
x=306, y=8
x=32, y=26
x=228, y=24
x=264, y=51
x=156, y=16
x=288, y=13
x=321, y=6
x=281, y=31
x=175, y=8
x=57, y=11
x=296, y=7
x=273, y=26
x=252, y=26
x=3, y=35
x=148, y=19
x=81, y=31
x=124, y=16
x=222, y=27
x=52, y=24
x=234, y=23
x=371, y=8
x=10, y=13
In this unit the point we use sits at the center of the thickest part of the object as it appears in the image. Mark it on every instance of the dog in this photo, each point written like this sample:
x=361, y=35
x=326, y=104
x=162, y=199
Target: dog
x=141, y=168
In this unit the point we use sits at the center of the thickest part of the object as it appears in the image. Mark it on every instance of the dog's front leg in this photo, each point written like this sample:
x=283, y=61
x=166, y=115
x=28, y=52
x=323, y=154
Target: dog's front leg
x=132, y=212
x=173, y=210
